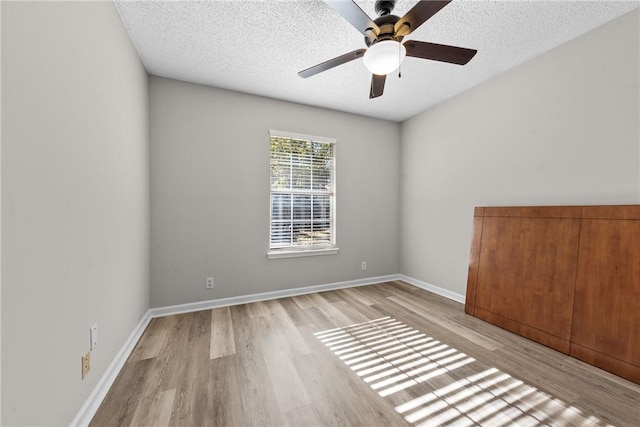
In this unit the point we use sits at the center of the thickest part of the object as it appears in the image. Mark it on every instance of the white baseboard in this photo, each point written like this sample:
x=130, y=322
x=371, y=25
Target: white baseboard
x=432, y=288
x=91, y=405
x=264, y=296
x=93, y=402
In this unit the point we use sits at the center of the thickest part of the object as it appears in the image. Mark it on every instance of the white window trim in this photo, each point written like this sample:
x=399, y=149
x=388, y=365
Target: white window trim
x=293, y=253
x=307, y=251
x=293, y=135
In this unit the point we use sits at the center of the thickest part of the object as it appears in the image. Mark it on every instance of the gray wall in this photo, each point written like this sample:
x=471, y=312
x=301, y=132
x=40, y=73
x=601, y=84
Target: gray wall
x=75, y=202
x=560, y=129
x=210, y=194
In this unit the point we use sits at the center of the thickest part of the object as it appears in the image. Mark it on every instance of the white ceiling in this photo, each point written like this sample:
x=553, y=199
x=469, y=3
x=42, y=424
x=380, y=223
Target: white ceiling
x=258, y=47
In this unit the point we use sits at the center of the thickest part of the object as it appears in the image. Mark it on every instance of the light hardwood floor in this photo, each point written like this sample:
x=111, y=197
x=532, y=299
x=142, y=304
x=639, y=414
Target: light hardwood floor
x=381, y=355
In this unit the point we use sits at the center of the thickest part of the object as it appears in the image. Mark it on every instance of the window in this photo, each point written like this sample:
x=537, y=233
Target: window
x=302, y=170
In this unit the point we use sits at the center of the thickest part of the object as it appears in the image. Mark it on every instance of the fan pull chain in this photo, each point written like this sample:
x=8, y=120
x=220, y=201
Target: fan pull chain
x=399, y=60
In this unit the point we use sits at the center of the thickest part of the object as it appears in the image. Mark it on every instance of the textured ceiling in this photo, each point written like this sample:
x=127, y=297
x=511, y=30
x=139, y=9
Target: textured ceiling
x=258, y=47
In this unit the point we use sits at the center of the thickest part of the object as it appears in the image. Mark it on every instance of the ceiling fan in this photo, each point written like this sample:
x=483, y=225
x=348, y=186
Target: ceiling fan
x=383, y=35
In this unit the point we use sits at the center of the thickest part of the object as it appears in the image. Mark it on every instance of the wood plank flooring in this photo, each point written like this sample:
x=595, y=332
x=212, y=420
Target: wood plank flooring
x=380, y=355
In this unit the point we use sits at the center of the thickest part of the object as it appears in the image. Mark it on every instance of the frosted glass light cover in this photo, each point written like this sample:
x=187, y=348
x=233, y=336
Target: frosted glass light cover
x=384, y=57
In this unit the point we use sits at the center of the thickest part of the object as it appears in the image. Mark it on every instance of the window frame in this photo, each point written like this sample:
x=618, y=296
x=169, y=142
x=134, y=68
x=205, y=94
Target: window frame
x=311, y=249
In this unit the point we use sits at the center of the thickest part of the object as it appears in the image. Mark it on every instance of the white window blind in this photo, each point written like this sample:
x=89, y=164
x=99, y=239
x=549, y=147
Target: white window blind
x=302, y=191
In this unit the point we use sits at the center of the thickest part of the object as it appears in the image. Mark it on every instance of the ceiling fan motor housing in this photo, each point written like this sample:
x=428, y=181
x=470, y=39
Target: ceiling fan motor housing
x=386, y=25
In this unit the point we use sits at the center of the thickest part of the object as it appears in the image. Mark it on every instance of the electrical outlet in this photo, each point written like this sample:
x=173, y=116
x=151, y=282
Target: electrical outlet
x=86, y=364
x=93, y=337
x=209, y=282
x=364, y=265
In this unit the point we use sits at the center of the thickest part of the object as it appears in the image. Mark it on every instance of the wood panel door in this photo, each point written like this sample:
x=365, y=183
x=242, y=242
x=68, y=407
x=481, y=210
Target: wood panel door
x=526, y=275
x=606, y=324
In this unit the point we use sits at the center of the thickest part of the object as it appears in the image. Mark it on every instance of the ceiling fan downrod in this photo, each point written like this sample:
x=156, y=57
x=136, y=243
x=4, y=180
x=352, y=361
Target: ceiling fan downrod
x=384, y=7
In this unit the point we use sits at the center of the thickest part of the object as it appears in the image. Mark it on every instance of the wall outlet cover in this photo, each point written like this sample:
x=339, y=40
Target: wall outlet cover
x=86, y=364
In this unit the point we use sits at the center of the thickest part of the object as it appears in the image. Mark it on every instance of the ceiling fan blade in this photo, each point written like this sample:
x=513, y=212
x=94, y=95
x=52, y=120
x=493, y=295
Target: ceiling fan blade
x=417, y=16
x=356, y=16
x=326, y=65
x=377, y=85
x=439, y=52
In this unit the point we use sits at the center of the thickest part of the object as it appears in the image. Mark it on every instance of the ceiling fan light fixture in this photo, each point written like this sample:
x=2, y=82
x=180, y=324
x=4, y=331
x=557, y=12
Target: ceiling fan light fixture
x=384, y=57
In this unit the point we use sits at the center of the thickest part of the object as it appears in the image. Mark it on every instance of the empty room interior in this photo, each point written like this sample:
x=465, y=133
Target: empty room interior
x=315, y=213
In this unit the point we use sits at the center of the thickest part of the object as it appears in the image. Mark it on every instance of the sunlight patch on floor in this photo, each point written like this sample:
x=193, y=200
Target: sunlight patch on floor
x=394, y=359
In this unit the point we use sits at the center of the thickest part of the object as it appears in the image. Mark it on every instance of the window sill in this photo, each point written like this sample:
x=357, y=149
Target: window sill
x=275, y=254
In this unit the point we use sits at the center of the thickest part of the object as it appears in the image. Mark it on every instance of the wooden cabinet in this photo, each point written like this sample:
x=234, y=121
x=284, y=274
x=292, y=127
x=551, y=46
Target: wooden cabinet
x=565, y=276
